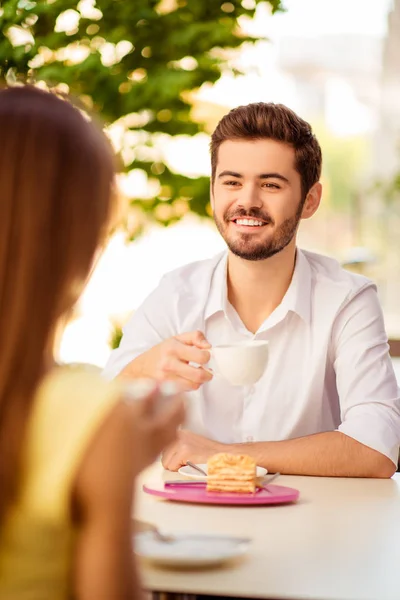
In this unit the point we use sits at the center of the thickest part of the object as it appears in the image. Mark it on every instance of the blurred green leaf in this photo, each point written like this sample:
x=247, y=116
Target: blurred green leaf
x=121, y=57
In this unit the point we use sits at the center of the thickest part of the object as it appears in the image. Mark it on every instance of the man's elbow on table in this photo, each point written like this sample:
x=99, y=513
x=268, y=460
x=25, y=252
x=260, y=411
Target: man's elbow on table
x=367, y=461
x=381, y=467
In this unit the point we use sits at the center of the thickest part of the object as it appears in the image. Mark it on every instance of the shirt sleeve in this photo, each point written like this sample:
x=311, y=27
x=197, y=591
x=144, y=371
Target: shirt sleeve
x=365, y=379
x=150, y=324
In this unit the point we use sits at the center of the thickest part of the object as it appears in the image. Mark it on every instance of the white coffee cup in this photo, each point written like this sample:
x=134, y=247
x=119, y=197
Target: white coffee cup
x=241, y=363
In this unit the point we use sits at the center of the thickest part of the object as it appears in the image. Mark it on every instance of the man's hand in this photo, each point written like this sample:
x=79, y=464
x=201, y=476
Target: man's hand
x=169, y=361
x=189, y=446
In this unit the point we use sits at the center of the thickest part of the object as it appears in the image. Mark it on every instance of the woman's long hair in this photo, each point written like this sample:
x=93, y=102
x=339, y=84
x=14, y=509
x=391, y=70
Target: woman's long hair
x=56, y=180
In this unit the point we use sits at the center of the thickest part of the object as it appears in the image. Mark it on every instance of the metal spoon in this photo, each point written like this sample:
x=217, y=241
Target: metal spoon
x=144, y=526
x=265, y=484
x=163, y=537
x=195, y=467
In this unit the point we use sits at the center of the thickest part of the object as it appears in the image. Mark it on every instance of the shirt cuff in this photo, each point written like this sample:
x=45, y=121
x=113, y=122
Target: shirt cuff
x=373, y=431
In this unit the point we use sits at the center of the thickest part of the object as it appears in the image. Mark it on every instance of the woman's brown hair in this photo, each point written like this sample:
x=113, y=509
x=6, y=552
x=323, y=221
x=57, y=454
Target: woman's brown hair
x=56, y=179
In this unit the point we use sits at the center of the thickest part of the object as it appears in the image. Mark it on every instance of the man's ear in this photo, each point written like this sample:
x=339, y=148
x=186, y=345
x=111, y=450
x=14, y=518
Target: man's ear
x=312, y=201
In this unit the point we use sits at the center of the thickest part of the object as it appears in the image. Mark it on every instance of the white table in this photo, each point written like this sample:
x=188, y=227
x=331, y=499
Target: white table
x=340, y=541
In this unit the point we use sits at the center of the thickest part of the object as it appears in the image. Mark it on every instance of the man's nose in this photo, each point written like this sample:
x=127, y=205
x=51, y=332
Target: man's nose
x=250, y=196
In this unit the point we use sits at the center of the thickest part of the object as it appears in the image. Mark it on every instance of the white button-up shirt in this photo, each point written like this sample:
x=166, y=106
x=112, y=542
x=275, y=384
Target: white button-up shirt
x=329, y=366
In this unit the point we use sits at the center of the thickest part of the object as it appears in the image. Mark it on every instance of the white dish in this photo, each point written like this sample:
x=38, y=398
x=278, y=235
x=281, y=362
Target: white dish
x=190, y=550
x=193, y=474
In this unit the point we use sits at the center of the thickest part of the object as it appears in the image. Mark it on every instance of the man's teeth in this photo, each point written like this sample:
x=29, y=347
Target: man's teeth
x=251, y=222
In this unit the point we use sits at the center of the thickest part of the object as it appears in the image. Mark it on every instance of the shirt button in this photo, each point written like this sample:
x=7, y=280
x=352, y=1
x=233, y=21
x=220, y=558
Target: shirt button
x=249, y=438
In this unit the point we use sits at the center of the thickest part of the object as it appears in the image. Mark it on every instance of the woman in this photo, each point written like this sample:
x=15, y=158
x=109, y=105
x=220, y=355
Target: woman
x=69, y=447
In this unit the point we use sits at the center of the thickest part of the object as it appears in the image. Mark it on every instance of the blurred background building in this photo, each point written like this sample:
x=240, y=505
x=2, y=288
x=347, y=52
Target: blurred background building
x=388, y=130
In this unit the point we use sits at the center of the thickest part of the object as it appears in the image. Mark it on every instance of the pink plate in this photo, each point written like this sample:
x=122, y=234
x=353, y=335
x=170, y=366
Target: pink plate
x=275, y=494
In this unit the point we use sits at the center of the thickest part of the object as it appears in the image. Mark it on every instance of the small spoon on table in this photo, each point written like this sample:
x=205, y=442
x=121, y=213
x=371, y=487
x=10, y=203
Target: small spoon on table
x=143, y=526
x=195, y=467
x=264, y=485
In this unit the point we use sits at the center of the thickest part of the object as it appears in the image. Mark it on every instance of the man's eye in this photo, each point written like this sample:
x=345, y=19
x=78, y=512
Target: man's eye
x=270, y=185
x=231, y=183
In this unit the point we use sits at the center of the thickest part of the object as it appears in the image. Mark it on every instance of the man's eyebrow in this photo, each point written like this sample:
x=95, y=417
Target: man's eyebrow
x=274, y=176
x=230, y=173
x=262, y=176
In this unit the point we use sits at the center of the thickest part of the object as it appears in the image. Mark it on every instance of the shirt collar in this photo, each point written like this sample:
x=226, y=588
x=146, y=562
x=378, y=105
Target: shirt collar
x=218, y=296
x=297, y=298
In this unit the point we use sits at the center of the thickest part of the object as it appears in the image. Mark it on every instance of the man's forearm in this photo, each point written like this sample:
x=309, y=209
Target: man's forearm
x=135, y=369
x=329, y=454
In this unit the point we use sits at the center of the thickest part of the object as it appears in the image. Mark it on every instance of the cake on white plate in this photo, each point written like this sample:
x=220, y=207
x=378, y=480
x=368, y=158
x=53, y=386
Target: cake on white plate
x=231, y=473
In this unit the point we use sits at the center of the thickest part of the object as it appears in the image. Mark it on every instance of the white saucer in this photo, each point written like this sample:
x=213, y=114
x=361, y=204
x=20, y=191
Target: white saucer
x=190, y=550
x=193, y=474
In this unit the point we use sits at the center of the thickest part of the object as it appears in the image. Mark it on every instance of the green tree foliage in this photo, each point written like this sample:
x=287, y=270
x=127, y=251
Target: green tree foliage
x=137, y=63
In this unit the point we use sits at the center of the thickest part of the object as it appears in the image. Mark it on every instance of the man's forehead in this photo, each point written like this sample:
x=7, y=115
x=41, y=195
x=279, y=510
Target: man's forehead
x=255, y=156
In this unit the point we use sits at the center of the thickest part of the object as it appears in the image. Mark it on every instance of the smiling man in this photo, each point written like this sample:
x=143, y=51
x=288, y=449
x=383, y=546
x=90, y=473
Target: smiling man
x=328, y=403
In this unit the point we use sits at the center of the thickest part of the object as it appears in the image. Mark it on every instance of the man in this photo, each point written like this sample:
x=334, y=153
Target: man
x=328, y=403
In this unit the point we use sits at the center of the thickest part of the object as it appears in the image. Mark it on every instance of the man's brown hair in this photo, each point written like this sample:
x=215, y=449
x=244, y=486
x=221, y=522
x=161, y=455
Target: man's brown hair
x=263, y=120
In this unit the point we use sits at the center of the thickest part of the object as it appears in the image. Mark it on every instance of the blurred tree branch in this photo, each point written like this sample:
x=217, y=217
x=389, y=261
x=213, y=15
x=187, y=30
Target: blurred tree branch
x=137, y=64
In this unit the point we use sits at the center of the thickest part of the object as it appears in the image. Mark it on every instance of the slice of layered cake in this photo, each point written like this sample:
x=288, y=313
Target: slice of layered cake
x=231, y=473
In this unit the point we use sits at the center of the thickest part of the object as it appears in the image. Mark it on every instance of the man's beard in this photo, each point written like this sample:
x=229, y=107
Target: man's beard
x=245, y=247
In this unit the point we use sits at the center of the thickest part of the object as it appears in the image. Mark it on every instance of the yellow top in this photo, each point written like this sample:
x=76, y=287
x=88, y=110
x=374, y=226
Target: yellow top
x=36, y=540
